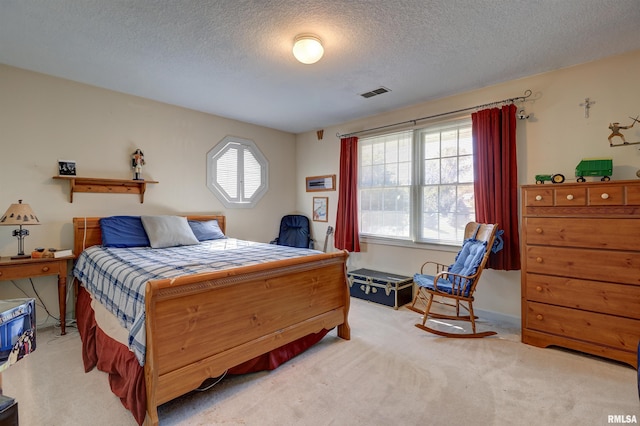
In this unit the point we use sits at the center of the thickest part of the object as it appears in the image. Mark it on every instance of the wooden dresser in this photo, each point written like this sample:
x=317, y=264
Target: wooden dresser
x=581, y=267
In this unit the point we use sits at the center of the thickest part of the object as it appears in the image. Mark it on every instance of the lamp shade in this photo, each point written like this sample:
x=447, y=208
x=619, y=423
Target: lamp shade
x=307, y=48
x=19, y=214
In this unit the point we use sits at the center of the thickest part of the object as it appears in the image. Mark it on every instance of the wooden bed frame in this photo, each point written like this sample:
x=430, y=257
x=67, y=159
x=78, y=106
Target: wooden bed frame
x=198, y=326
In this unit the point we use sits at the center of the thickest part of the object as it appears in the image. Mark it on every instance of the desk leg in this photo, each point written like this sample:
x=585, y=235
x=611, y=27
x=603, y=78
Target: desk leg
x=62, y=296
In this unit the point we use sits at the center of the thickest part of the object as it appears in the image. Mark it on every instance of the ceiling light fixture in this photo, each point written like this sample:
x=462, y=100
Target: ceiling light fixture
x=307, y=48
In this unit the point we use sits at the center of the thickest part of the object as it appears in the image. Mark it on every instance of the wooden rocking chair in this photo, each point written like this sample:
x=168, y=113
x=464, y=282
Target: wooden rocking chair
x=457, y=281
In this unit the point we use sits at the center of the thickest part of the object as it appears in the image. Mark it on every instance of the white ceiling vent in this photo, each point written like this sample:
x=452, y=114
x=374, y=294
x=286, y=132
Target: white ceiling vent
x=376, y=92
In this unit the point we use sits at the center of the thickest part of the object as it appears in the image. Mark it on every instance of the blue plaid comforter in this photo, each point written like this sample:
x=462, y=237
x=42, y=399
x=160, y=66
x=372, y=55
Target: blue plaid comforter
x=117, y=277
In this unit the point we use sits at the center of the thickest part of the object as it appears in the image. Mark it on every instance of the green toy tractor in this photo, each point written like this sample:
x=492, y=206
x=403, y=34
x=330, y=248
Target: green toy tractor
x=557, y=178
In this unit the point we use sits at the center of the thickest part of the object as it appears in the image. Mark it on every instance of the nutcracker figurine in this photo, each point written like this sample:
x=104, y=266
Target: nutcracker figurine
x=137, y=161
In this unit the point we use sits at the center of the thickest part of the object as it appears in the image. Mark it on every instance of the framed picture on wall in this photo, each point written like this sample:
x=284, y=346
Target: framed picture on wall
x=320, y=207
x=321, y=183
x=66, y=167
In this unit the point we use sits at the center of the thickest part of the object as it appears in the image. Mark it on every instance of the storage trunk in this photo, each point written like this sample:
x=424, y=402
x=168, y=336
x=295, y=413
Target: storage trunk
x=381, y=287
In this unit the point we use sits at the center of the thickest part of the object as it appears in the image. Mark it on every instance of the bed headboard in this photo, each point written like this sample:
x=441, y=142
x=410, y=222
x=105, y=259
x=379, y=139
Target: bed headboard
x=86, y=230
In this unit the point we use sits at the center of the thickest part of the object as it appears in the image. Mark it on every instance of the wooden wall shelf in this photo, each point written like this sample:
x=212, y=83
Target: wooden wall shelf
x=106, y=186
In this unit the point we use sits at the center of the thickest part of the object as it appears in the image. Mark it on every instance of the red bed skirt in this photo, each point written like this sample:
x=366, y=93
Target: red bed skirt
x=126, y=376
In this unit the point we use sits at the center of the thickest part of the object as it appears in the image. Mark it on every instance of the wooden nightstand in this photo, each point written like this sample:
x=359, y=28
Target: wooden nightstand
x=13, y=269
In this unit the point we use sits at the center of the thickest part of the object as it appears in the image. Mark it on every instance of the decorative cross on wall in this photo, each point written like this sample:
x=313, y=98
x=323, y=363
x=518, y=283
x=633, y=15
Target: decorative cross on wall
x=587, y=104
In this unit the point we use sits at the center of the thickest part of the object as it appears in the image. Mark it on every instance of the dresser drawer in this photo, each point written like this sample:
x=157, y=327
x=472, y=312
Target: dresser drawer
x=607, y=298
x=621, y=193
x=617, y=234
x=538, y=196
x=610, y=266
x=633, y=195
x=12, y=272
x=606, y=330
x=608, y=195
x=571, y=196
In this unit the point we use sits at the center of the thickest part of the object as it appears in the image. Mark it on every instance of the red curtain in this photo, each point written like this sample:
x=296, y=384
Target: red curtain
x=346, y=235
x=496, y=179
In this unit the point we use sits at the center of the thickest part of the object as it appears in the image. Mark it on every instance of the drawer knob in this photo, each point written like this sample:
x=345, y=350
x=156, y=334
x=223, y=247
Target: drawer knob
x=539, y=259
x=538, y=197
x=569, y=197
x=539, y=317
x=604, y=196
x=0, y=273
x=45, y=269
x=538, y=288
x=538, y=230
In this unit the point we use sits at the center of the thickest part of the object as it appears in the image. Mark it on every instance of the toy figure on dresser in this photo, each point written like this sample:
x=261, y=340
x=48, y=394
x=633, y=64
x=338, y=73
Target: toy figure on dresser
x=557, y=178
x=594, y=167
x=615, y=131
x=137, y=161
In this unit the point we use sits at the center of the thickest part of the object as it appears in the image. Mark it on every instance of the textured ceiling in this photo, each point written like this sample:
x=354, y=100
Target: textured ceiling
x=233, y=57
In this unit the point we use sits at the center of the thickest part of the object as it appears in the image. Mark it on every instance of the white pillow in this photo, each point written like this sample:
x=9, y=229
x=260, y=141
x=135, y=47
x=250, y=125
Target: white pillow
x=168, y=231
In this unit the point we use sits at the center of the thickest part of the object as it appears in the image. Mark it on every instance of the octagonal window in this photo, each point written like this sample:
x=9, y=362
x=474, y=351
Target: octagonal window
x=237, y=172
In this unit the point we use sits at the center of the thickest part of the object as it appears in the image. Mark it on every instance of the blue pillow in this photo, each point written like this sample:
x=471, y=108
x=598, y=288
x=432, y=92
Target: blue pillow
x=206, y=230
x=469, y=258
x=123, y=231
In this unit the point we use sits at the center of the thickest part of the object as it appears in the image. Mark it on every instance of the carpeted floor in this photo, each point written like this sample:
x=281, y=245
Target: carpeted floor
x=389, y=373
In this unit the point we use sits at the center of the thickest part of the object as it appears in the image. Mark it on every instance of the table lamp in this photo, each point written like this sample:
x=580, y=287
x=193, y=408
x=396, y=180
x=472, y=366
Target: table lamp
x=20, y=214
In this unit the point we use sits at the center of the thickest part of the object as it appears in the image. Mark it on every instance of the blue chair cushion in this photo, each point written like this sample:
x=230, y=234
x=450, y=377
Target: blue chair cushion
x=467, y=263
x=426, y=281
x=469, y=258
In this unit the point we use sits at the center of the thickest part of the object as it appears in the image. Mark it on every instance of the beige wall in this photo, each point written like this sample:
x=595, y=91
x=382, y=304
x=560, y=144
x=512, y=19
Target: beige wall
x=554, y=140
x=43, y=118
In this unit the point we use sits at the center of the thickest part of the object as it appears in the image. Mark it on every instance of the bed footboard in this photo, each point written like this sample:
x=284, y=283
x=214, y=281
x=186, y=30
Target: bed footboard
x=201, y=325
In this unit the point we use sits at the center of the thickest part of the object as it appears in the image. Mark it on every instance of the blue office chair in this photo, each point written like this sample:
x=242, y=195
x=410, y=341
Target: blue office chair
x=294, y=232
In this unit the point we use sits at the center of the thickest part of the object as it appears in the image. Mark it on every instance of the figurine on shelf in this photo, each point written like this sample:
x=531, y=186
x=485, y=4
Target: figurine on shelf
x=137, y=161
x=615, y=131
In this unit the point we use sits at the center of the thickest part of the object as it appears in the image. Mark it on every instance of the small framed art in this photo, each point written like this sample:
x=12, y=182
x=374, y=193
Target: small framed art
x=66, y=167
x=321, y=183
x=320, y=207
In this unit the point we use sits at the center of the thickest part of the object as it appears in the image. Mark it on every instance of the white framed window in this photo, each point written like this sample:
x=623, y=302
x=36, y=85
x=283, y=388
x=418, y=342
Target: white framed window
x=384, y=185
x=417, y=185
x=237, y=172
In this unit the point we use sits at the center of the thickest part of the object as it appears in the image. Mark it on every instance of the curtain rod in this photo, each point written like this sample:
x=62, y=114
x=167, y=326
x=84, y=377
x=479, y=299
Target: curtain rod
x=527, y=93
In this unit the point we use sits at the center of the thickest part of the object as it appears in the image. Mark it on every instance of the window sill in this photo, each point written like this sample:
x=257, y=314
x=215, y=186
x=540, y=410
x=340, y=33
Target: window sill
x=368, y=239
